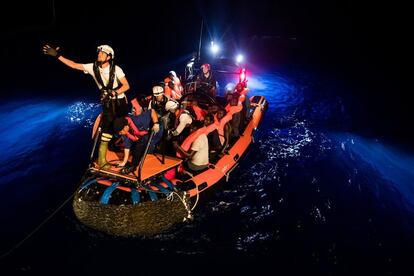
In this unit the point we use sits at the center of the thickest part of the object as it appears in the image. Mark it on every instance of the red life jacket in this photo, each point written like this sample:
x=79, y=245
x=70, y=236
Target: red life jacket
x=136, y=133
x=137, y=107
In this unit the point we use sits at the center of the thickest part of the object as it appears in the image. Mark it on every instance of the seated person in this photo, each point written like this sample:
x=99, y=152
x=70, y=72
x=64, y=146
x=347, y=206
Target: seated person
x=135, y=134
x=224, y=128
x=197, y=154
x=241, y=91
x=207, y=81
x=232, y=100
x=173, y=88
x=212, y=109
x=197, y=112
x=213, y=138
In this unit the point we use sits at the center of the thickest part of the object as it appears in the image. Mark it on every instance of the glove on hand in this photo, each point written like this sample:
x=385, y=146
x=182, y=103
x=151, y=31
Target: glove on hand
x=47, y=50
x=156, y=128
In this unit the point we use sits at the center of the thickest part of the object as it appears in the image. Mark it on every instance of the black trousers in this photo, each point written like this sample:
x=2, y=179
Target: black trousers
x=111, y=110
x=138, y=149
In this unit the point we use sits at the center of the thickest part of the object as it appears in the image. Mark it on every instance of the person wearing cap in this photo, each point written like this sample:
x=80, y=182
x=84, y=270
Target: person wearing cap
x=182, y=117
x=113, y=84
x=158, y=100
x=207, y=81
x=134, y=130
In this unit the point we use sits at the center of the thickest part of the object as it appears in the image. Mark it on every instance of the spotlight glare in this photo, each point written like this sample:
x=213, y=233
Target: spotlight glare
x=214, y=48
x=239, y=58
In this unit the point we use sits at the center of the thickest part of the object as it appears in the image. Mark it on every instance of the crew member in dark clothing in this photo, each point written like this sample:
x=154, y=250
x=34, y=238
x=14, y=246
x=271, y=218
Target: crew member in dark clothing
x=207, y=81
x=158, y=100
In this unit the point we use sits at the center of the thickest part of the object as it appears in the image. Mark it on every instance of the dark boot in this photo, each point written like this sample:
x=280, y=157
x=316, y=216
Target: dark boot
x=128, y=169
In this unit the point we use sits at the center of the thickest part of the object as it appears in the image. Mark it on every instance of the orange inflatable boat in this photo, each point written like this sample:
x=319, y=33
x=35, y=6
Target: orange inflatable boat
x=158, y=194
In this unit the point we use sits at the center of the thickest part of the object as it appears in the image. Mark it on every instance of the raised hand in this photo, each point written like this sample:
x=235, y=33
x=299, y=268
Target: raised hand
x=47, y=50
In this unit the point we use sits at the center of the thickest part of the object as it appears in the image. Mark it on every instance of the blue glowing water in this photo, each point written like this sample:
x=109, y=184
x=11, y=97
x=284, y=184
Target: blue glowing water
x=310, y=195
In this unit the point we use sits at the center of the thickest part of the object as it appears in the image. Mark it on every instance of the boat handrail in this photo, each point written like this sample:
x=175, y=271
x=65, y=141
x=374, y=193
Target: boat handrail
x=141, y=163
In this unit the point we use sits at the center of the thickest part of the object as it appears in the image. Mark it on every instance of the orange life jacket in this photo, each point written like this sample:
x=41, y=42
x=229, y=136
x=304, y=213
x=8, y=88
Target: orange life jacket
x=174, y=93
x=167, y=89
x=221, y=124
x=178, y=88
x=190, y=139
x=200, y=113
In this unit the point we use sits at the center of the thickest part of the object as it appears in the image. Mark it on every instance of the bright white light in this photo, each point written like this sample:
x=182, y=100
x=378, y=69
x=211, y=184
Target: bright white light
x=214, y=48
x=239, y=58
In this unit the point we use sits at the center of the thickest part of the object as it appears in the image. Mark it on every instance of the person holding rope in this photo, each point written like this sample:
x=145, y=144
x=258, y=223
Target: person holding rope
x=112, y=84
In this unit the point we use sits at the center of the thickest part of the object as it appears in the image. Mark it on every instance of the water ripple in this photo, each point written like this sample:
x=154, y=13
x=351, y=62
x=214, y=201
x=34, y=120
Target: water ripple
x=287, y=143
x=82, y=113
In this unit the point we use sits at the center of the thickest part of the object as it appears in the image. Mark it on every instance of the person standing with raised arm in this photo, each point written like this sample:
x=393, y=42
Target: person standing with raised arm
x=112, y=83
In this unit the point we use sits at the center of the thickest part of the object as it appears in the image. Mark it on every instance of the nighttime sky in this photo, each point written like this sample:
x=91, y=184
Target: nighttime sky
x=169, y=29
x=349, y=27
x=347, y=35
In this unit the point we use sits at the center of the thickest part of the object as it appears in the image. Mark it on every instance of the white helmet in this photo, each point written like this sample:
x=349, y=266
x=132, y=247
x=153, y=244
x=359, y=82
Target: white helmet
x=157, y=90
x=172, y=73
x=106, y=49
x=171, y=105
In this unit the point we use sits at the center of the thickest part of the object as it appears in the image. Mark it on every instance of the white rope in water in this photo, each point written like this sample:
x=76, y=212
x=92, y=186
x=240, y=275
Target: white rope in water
x=170, y=197
x=198, y=196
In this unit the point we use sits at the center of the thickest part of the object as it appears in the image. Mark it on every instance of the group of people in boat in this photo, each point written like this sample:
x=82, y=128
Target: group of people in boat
x=199, y=134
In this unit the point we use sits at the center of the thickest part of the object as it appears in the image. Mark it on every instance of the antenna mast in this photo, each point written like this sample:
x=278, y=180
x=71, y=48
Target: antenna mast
x=199, y=43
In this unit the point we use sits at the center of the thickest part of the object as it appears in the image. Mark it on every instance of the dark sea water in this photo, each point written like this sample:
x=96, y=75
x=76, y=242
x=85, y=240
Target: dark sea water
x=313, y=195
